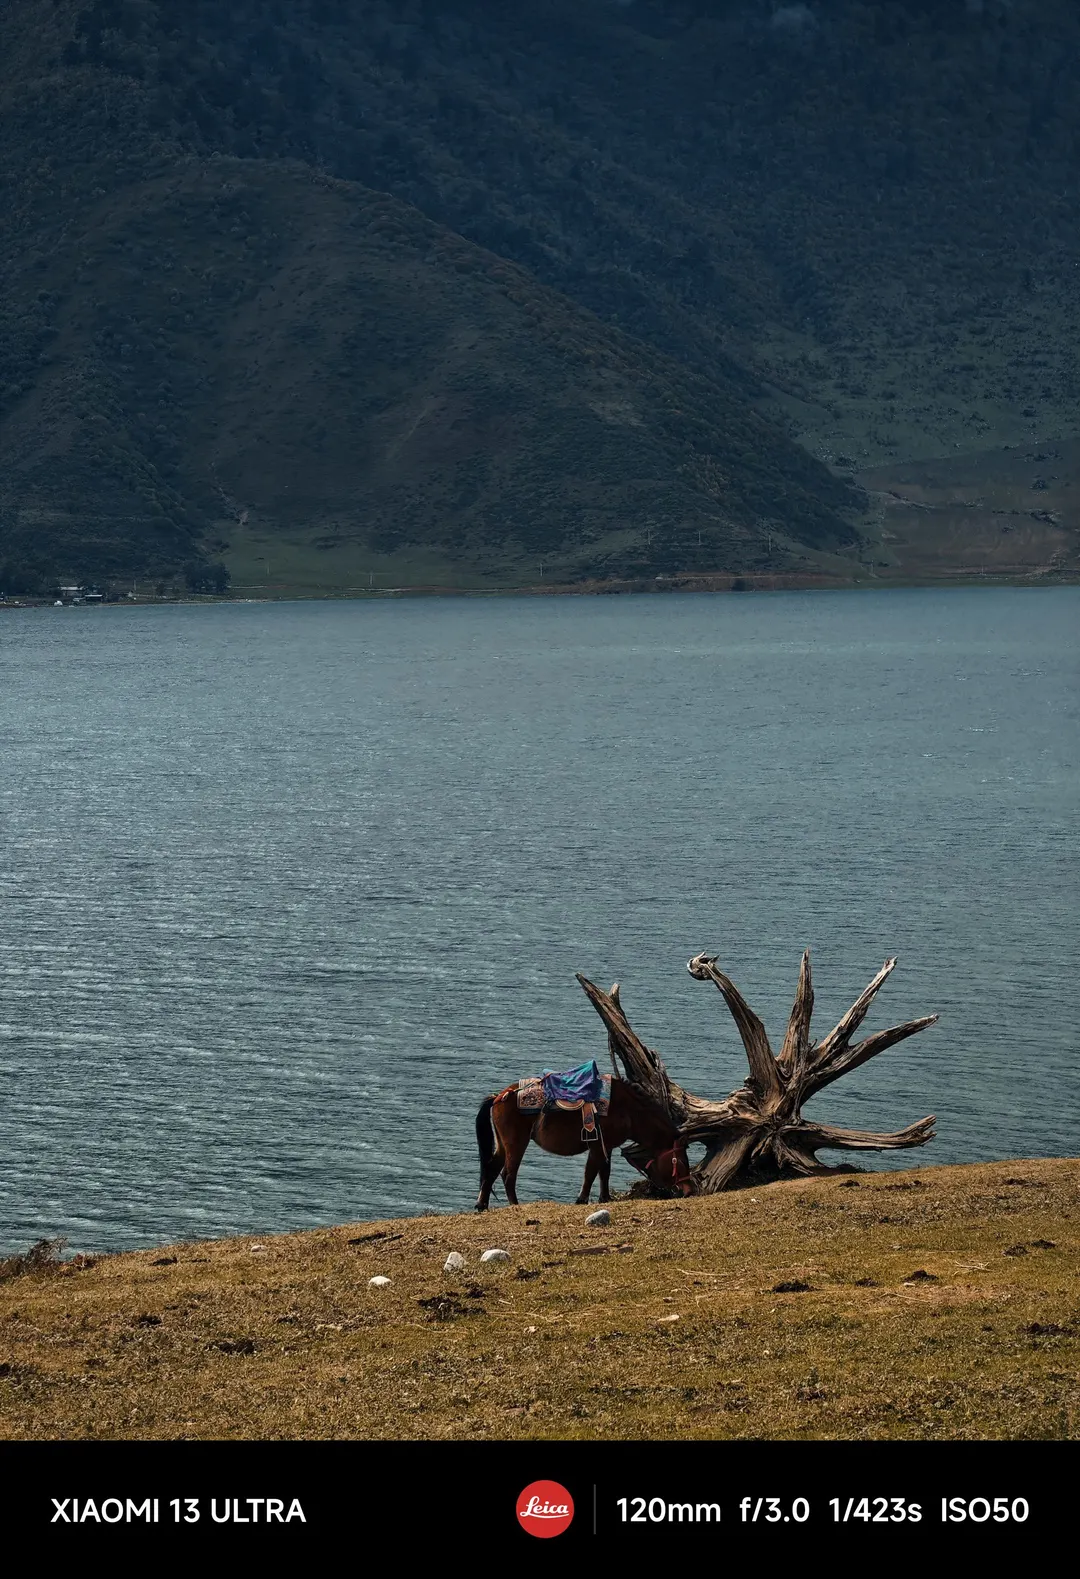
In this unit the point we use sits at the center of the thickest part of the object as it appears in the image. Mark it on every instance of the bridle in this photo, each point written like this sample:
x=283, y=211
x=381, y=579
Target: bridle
x=676, y=1154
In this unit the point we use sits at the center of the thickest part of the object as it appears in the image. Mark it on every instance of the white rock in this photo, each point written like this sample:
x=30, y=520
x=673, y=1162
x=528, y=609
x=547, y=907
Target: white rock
x=378, y=1282
x=495, y=1255
x=599, y=1219
x=454, y=1262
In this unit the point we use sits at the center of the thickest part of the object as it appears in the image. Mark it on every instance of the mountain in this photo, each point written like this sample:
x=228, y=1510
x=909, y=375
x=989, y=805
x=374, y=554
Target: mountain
x=439, y=290
x=321, y=367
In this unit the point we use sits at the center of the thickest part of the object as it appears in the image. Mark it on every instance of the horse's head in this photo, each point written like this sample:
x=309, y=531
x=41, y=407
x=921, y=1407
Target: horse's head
x=670, y=1169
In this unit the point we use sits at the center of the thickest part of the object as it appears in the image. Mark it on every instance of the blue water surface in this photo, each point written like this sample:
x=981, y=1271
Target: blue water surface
x=285, y=889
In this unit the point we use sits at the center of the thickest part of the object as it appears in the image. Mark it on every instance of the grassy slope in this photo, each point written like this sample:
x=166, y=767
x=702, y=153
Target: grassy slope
x=227, y=1340
x=1008, y=512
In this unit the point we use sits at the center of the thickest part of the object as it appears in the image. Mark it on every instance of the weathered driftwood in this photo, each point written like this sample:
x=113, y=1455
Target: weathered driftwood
x=759, y=1129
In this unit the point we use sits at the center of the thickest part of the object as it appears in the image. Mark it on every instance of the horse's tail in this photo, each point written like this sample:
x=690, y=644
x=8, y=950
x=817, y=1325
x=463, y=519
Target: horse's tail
x=485, y=1135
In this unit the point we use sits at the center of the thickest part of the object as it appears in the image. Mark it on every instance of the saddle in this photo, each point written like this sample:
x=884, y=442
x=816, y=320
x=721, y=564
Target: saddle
x=581, y=1089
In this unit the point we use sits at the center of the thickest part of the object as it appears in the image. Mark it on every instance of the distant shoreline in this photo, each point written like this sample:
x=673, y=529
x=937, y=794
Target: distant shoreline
x=725, y=584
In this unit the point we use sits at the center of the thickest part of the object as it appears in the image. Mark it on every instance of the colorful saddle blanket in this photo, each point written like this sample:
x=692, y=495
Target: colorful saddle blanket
x=569, y=1089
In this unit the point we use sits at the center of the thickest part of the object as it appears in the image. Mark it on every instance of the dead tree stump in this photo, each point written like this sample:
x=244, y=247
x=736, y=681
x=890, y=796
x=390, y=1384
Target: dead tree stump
x=759, y=1131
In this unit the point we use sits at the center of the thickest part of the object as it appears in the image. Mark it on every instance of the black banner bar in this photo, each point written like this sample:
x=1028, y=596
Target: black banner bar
x=425, y=1496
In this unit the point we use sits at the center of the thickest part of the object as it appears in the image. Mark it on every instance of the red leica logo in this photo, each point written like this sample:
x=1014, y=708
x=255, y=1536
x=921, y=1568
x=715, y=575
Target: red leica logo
x=545, y=1509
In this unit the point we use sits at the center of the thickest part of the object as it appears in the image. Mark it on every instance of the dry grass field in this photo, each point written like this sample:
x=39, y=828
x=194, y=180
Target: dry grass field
x=938, y=1303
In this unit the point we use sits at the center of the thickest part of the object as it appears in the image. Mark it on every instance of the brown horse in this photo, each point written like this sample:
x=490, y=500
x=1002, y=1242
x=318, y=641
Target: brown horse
x=503, y=1133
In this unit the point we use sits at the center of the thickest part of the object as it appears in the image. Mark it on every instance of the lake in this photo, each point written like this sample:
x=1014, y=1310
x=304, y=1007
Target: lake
x=287, y=888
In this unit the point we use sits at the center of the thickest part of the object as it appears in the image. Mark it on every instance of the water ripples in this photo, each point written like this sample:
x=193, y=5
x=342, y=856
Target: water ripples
x=285, y=889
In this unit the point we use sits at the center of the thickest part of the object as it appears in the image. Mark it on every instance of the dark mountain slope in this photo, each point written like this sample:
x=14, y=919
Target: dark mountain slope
x=193, y=341
x=240, y=339
x=858, y=216
x=865, y=209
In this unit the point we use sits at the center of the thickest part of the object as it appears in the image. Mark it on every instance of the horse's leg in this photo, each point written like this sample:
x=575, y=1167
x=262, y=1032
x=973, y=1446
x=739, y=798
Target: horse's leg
x=492, y=1169
x=515, y=1151
x=605, y=1176
x=591, y=1166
